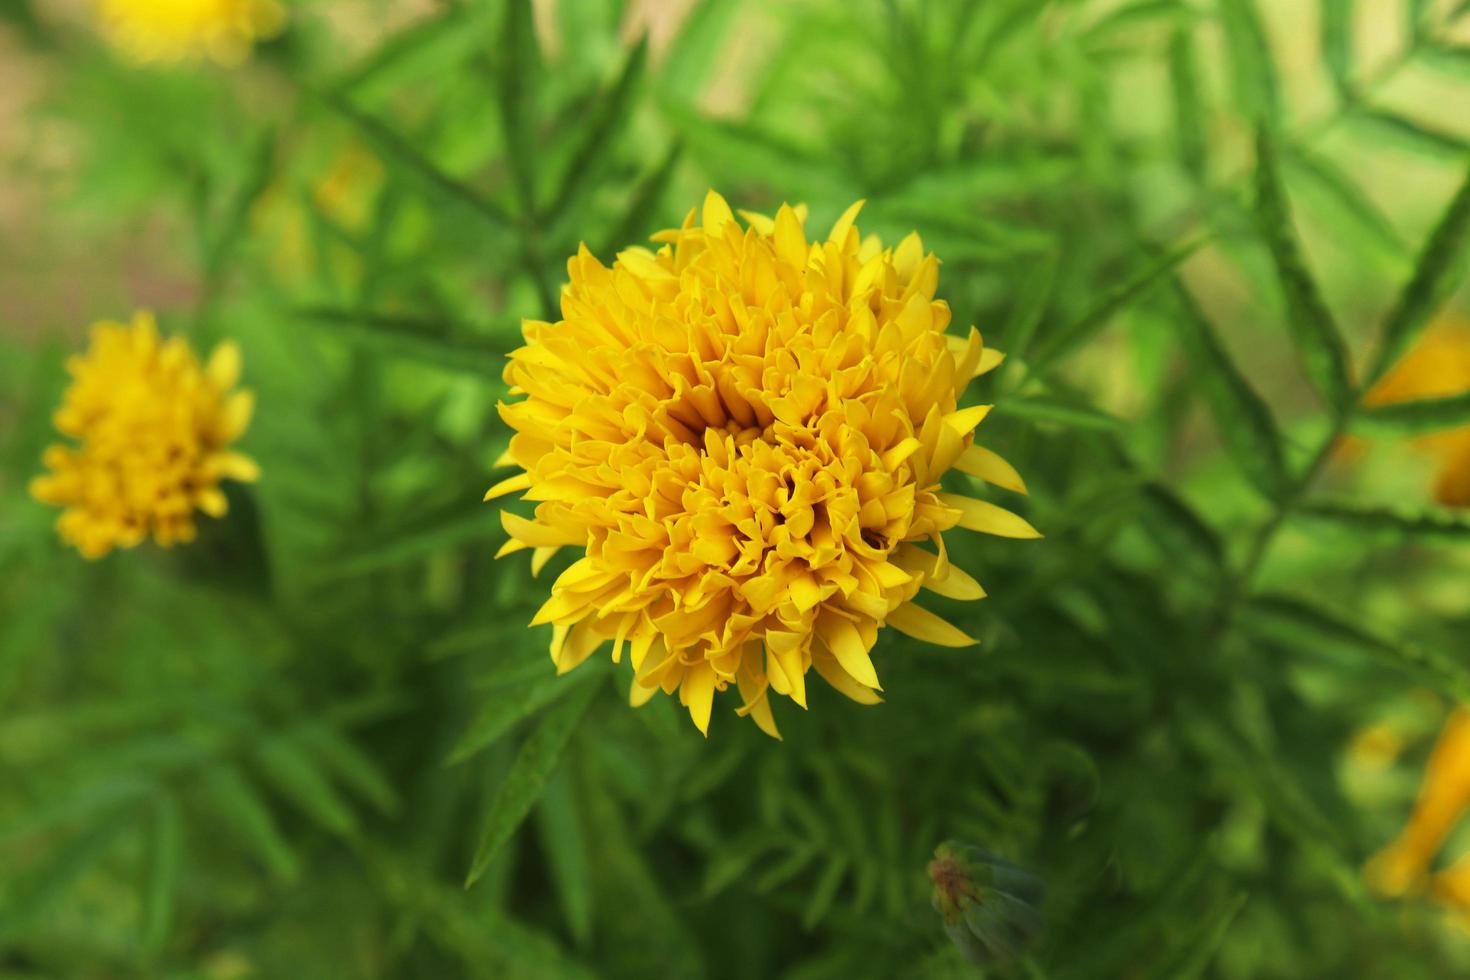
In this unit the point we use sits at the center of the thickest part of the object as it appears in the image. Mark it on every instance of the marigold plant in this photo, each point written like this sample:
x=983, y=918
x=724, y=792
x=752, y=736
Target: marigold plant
x=153, y=430
x=189, y=30
x=743, y=436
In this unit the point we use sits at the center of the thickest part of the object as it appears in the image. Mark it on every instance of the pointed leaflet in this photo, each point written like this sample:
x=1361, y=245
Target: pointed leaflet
x=161, y=848
x=1436, y=276
x=1189, y=107
x=1337, y=192
x=1427, y=527
x=1415, y=417
x=1252, y=72
x=1243, y=420
x=1302, y=627
x=536, y=761
x=1029, y=309
x=1317, y=338
x=297, y=776
x=1066, y=340
x=1337, y=42
x=563, y=837
x=421, y=339
x=1411, y=135
x=246, y=816
x=599, y=128
x=399, y=153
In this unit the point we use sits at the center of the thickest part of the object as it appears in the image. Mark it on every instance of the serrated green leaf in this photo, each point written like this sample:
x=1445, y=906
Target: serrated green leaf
x=598, y=130
x=1243, y=420
x=1190, y=111
x=537, y=759
x=560, y=832
x=1337, y=41
x=1338, y=191
x=1252, y=70
x=1303, y=627
x=162, y=850
x=1415, y=417
x=1181, y=531
x=1040, y=408
x=237, y=804
x=1444, y=527
x=1071, y=337
x=401, y=155
x=297, y=776
x=1030, y=307
x=1436, y=276
x=511, y=704
x=1318, y=339
x=1409, y=134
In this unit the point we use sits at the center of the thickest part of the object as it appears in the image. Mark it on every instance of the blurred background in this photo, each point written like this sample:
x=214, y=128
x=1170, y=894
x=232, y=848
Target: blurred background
x=1201, y=705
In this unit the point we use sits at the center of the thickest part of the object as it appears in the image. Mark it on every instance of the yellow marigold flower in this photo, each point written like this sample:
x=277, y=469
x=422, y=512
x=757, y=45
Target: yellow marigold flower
x=154, y=430
x=189, y=30
x=742, y=434
x=1437, y=367
x=1443, y=799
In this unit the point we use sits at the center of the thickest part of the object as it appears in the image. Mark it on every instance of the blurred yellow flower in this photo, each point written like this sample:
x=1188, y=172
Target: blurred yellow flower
x=743, y=434
x=1437, y=367
x=154, y=430
x=189, y=30
x=1402, y=867
x=344, y=195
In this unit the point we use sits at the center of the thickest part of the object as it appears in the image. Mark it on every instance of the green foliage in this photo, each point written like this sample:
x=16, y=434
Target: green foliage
x=282, y=750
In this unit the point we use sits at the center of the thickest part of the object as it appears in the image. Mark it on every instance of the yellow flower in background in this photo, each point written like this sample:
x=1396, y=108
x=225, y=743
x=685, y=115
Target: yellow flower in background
x=153, y=431
x=742, y=436
x=164, y=31
x=344, y=195
x=1402, y=867
x=1437, y=367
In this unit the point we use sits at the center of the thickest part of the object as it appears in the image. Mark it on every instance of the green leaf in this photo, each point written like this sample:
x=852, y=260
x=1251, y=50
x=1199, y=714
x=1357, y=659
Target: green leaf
x=162, y=851
x=537, y=759
x=238, y=805
x=1029, y=309
x=31, y=898
x=1243, y=420
x=598, y=130
x=1443, y=528
x=563, y=839
x=1252, y=72
x=1436, y=276
x=1337, y=41
x=1318, y=339
x=1179, y=530
x=732, y=861
x=1415, y=137
x=824, y=893
x=643, y=202
x=1339, y=193
x=1415, y=417
x=449, y=528
x=696, y=49
x=398, y=153
x=1040, y=408
x=1201, y=941
x=1074, y=335
x=1450, y=59
x=512, y=704
x=1190, y=111
x=518, y=64
x=412, y=338
x=1299, y=626
x=299, y=779
x=350, y=764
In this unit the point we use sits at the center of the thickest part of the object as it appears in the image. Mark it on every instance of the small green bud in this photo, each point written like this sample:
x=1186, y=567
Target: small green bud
x=991, y=907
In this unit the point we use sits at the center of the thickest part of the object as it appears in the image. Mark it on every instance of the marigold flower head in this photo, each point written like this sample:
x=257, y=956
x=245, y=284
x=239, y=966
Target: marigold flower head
x=1437, y=367
x=742, y=434
x=189, y=30
x=154, y=430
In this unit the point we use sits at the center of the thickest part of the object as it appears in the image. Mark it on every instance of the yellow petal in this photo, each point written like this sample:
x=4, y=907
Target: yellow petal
x=844, y=223
x=846, y=644
x=223, y=369
x=965, y=420
x=698, y=692
x=511, y=484
x=985, y=517
x=984, y=464
x=235, y=417
x=540, y=557
x=717, y=212
x=990, y=359
x=922, y=624
x=838, y=678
